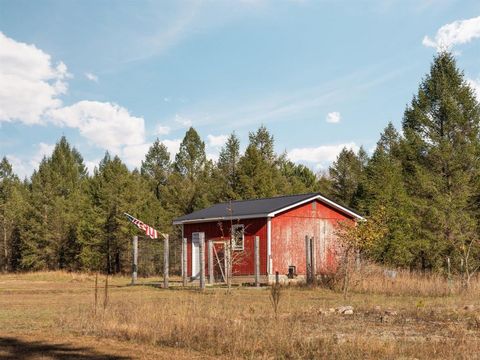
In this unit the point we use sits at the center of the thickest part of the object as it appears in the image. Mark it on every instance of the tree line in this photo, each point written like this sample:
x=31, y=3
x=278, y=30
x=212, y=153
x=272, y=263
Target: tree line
x=424, y=179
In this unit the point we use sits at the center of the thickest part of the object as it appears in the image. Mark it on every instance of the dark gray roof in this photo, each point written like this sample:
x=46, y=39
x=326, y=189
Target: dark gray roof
x=249, y=208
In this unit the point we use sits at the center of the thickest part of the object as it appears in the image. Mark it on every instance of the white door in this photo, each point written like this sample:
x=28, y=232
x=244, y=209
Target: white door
x=196, y=253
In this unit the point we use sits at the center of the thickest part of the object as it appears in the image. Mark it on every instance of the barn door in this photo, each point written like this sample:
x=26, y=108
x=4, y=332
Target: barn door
x=196, y=254
x=219, y=261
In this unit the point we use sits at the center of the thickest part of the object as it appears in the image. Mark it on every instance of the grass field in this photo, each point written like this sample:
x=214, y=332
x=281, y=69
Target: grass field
x=52, y=316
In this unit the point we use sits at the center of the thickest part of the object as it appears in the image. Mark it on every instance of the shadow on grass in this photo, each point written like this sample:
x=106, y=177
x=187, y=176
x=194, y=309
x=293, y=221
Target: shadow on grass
x=12, y=348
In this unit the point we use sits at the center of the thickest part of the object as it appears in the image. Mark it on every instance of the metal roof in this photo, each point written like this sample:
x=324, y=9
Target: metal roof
x=257, y=208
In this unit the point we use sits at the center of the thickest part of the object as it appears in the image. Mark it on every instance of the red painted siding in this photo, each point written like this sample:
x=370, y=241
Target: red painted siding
x=288, y=237
x=220, y=231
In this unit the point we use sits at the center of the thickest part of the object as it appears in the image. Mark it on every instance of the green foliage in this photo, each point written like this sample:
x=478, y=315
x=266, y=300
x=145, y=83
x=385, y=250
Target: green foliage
x=346, y=175
x=441, y=128
x=56, y=201
x=12, y=216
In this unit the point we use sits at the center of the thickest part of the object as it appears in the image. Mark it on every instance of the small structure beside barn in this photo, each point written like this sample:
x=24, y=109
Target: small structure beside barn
x=293, y=234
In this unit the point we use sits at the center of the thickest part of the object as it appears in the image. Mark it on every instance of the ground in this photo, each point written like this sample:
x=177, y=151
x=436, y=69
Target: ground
x=53, y=316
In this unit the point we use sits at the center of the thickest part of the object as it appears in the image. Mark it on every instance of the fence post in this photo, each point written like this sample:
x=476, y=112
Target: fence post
x=210, y=262
x=135, y=259
x=184, y=261
x=277, y=278
x=257, y=261
x=202, y=262
x=314, y=259
x=308, y=259
x=165, y=261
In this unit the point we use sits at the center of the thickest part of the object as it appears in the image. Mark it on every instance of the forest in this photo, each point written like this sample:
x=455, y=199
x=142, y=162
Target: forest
x=423, y=178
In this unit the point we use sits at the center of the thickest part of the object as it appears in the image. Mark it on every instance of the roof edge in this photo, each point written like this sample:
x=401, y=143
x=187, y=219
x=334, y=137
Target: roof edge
x=224, y=218
x=322, y=199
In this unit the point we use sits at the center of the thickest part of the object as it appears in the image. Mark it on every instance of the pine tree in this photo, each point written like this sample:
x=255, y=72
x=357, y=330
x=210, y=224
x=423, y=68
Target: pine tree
x=384, y=187
x=226, y=176
x=298, y=178
x=263, y=141
x=441, y=129
x=56, y=206
x=346, y=174
x=157, y=167
x=189, y=187
x=12, y=209
x=190, y=159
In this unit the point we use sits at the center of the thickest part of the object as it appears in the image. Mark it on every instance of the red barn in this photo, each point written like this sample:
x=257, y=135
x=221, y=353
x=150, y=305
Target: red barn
x=280, y=224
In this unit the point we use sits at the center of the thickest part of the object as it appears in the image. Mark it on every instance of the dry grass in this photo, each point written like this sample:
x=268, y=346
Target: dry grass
x=371, y=279
x=412, y=318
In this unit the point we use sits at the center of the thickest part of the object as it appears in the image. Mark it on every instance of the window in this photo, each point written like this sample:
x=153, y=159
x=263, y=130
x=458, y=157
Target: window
x=238, y=236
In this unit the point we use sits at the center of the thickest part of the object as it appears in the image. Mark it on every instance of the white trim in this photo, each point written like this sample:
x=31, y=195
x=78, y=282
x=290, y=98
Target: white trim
x=225, y=218
x=269, y=246
x=321, y=198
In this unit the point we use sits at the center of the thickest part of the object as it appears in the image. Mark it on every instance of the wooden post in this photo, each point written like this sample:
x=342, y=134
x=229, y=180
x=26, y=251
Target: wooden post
x=184, y=261
x=228, y=263
x=358, y=260
x=308, y=259
x=277, y=278
x=135, y=259
x=166, y=255
x=202, y=262
x=313, y=264
x=210, y=262
x=257, y=261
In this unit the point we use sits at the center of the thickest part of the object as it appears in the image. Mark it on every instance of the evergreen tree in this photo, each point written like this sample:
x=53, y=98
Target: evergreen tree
x=258, y=169
x=189, y=187
x=57, y=202
x=441, y=129
x=263, y=141
x=190, y=160
x=157, y=167
x=384, y=187
x=226, y=176
x=12, y=209
x=346, y=174
x=106, y=236
x=298, y=178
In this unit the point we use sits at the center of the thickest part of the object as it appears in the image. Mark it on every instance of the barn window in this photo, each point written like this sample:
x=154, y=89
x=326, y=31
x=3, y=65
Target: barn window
x=238, y=236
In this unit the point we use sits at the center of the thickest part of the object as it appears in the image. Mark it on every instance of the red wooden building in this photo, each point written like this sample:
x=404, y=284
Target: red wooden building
x=281, y=225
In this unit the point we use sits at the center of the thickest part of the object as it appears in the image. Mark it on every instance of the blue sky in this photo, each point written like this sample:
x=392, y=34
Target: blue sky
x=114, y=75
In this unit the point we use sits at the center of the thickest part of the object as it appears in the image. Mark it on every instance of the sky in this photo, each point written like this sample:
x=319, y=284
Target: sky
x=320, y=75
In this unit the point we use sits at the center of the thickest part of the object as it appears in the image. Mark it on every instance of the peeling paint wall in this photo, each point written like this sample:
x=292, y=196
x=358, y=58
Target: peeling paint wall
x=288, y=237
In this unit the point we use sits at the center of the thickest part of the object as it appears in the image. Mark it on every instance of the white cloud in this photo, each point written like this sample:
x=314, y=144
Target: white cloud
x=172, y=145
x=212, y=156
x=321, y=156
x=92, y=77
x=162, y=130
x=29, y=83
x=333, y=117
x=183, y=121
x=134, y=154
x=217, y=141
x=23, y=166
x=475, y=85
x=91, y=165
x=106, y=125
x=457, y=32
x=20, y=167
